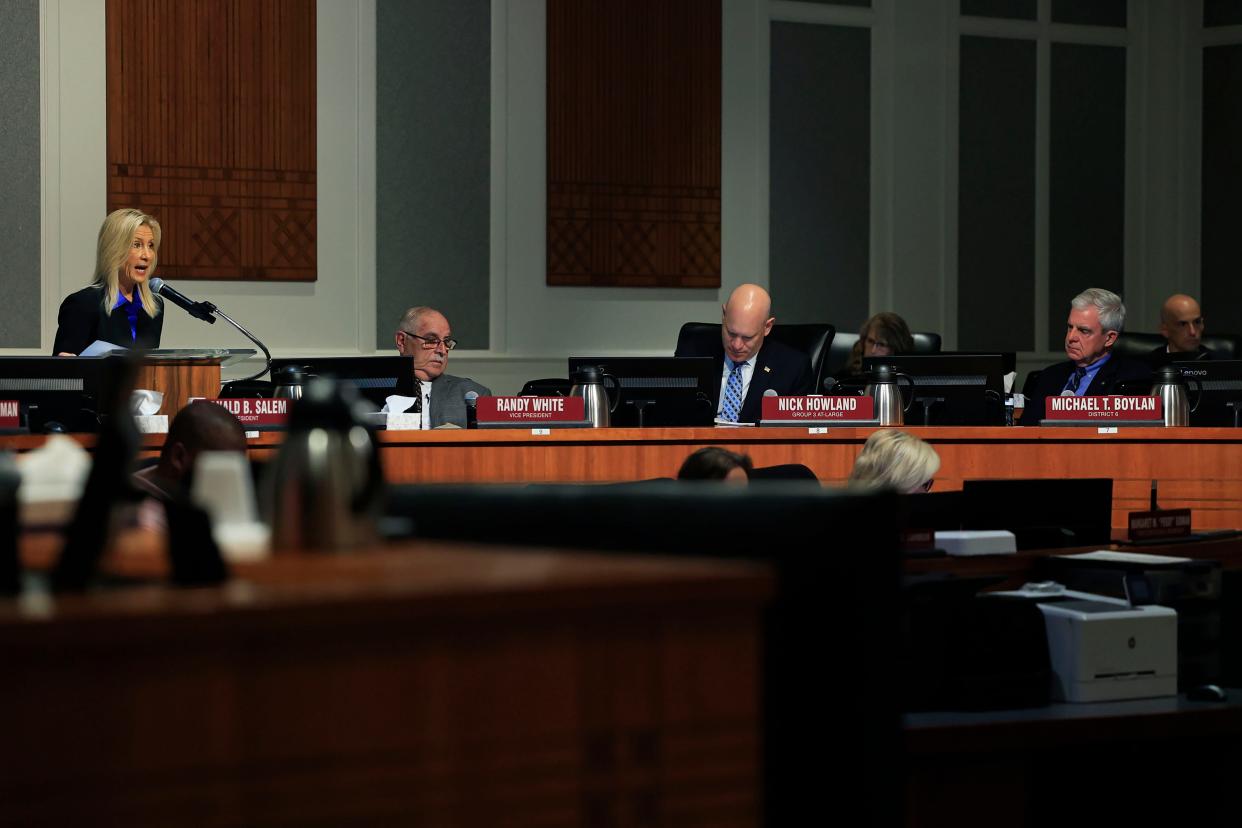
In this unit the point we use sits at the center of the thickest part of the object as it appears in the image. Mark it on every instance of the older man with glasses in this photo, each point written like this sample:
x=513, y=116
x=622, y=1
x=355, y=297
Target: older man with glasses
x=425, y=334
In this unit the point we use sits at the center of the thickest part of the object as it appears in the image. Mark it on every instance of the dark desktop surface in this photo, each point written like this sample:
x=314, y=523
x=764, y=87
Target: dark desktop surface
x=1164, y=761
x=1116, y=713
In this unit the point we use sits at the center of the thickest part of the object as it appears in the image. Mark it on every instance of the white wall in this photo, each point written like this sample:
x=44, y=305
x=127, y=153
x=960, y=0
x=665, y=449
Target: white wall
x=334, y=315
x=534, y=327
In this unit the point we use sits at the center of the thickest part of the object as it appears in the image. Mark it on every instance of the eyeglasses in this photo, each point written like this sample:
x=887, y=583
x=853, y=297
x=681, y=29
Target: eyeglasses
x=927, y=487
x=430, y=343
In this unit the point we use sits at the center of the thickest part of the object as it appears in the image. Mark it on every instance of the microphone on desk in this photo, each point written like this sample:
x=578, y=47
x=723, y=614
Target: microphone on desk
x=829, y=385
x=200, y=310
x=472, y=409
x=771, y=392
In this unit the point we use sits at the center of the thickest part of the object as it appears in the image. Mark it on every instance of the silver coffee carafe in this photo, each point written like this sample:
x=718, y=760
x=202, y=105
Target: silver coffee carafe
x=883, y=386
x=288, y=382
x=1170, y=386
x=324, y=489
x=588, y=383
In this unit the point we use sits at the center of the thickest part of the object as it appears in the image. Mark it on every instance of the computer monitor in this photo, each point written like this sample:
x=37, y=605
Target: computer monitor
x=1220, y=383
x=937, y=511
x=659, y=391
x=375, y=377
x=56, y=393
x=951, y=389
x=1042, y=513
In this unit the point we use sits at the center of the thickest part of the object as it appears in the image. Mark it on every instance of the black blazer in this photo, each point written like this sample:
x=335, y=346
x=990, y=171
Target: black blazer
x=1052, y=381
x=779, y=367
x=82, y=320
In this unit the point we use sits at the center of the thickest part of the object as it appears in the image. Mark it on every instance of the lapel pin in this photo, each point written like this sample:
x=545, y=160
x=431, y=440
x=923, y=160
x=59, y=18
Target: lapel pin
x=767, y=369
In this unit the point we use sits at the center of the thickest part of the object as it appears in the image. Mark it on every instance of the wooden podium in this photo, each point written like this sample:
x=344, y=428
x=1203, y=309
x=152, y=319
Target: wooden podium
x=182, y=373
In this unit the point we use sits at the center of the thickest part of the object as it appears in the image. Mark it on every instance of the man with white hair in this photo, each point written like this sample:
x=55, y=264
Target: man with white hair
x=1096, y=317
x=424, y=333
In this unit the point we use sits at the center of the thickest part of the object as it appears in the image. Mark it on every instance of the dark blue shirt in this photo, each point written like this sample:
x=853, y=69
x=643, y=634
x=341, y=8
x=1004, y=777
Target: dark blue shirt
x=132, y=308
x=1088, y=376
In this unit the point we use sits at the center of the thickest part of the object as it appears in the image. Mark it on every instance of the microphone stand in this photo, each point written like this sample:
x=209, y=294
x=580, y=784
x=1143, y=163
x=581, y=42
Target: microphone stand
x=208, y=308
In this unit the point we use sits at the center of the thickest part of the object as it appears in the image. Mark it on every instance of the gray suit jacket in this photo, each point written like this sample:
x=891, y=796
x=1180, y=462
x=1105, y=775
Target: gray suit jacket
x=448, y=399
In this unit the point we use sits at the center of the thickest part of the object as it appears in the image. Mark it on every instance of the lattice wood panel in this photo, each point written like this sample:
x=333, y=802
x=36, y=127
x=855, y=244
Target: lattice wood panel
x=211, y=129
x=634, y=143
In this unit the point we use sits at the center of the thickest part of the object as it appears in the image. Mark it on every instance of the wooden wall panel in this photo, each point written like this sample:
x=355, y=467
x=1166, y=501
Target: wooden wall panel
x=211, y=129
x=634, y=143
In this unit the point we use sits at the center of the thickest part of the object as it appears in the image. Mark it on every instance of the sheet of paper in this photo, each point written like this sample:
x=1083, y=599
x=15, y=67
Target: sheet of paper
x=1125, y=557
x=99, y=348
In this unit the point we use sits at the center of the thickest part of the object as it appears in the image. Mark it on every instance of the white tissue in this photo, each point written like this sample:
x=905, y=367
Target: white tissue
x=395, y=403
x=53, y=477
x=145, y=403
x=222, y=487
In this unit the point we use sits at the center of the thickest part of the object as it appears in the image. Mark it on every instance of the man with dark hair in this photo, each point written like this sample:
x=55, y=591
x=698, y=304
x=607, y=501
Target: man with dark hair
x=715, y=463
x=200, y=426
x=1181, y=323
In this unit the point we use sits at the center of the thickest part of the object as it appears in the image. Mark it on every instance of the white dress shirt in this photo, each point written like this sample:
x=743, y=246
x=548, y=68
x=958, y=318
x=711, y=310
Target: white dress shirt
x=425, y=388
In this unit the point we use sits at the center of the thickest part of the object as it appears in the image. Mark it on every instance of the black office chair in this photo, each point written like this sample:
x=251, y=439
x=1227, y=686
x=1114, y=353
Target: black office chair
x=551, y=387
x=1137, y=345
x=1032, y=379
x=926, y=343
x=1226, y=346
x=785, y=471
x=813, y=339
x=237, y=389
x=1140, y=345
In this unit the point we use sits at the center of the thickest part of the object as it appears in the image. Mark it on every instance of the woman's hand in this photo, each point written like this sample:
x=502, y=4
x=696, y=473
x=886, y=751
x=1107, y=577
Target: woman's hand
x=65, y=353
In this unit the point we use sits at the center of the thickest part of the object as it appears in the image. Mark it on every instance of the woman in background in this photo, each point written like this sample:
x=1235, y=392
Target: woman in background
x=884, y=334
x=896, y=460
x=118, y=306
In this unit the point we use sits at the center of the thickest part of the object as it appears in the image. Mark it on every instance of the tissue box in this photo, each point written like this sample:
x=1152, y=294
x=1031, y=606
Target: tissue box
x=151, y=423
x=977, y=542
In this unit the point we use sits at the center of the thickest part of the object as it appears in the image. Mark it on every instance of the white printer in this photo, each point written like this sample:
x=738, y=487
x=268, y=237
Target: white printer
x=1103, y=649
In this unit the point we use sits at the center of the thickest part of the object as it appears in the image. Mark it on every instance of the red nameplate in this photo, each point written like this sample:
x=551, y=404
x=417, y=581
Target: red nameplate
x=1103, y=408
x=531, y=409
x=1164, y=523
x=9, y=414
x=818, y=409
x=257, y=411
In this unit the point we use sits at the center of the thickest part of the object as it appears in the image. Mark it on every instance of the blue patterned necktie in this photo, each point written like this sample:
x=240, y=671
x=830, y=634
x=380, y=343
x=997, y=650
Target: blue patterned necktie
x=733, y=394
x=1076, y=380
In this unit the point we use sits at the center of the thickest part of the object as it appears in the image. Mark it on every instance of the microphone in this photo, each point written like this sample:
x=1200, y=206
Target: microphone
x=207, y=312
x=201, y=310
x=829, y=384
x=472, y=409
x=771, y=392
